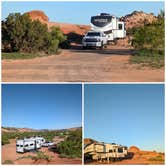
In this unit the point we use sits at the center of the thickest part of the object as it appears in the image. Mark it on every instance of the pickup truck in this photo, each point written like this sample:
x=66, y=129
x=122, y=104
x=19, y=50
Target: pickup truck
x=47, y=144
x=94, y=39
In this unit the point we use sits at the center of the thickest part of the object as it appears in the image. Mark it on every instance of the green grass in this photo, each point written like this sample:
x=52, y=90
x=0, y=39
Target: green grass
x=157, y=158
x=17, y=55
x=154, y=59
x=8, y=162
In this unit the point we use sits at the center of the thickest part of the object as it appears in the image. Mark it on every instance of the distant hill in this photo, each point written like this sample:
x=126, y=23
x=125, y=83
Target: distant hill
x=14, y=129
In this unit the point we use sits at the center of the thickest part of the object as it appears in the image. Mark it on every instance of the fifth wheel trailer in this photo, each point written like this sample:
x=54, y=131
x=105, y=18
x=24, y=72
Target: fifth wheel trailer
x=110, y=25
x=105, y=151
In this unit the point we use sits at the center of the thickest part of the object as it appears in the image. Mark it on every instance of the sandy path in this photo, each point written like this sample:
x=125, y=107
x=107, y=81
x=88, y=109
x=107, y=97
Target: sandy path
x=9, y=153
x=76, y=65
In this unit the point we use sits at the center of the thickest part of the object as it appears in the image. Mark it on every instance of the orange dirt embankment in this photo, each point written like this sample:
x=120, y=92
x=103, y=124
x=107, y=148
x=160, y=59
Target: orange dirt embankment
x=9, y=153
x=66, y=28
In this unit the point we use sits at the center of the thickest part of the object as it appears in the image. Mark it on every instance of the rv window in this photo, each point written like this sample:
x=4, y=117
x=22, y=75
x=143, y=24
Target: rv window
x=111, y=151
x=17, y=145
x=108, y=32
x=120, y=150
x=21, y=145
x=120, y=26
x=31, y=144
x=26, y=145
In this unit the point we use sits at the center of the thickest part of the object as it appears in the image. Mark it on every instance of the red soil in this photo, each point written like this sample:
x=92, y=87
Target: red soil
x=9, y=153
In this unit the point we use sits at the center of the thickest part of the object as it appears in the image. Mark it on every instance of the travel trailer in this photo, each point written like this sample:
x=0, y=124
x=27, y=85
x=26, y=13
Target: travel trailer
x=105, y=151
x=28, y=144
x=110, y=25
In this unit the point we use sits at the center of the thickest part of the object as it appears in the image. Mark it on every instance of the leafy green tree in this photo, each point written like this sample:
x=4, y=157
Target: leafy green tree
x=149, y=42
x=21, y=34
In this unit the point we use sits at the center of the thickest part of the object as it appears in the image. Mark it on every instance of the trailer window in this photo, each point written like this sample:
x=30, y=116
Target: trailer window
x=17, y=145
x=108, y=32
x=120, y=150
x=21, y=145
x=31, y=144
x=26, y=145
x=120, y=26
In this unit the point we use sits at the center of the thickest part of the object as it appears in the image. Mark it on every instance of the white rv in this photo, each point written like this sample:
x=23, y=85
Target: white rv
x=110, y=25
x=28, y=144
x=105, y=151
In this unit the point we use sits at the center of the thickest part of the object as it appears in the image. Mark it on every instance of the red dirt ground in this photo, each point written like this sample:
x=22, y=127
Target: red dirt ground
x=77, y=65
x=9, y=153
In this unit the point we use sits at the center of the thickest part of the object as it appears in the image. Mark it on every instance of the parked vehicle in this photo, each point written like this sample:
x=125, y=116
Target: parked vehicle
x=94, y=39
x=28, y=144
x=105, y=151
x=110, y=25
x=47, y=144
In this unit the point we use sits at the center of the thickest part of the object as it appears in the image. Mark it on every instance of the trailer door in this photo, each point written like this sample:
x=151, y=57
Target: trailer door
x=121, y=32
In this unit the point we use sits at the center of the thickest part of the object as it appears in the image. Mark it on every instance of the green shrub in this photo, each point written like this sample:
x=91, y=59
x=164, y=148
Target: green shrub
x=157, y=158
x=21, y=34
x=5, y=140
x=72, y=145
x=148, y=42
x=8, y=162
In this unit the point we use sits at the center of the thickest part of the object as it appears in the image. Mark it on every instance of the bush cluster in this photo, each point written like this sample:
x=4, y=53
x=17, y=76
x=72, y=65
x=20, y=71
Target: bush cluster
x=72, y=146
x=48, y=135
x=148, y=42
x=21, y=34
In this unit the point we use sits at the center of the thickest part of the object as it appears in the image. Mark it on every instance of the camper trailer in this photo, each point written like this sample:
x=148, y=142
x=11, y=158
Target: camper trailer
x=28, y=144
x=105, y=151
x=109, y=25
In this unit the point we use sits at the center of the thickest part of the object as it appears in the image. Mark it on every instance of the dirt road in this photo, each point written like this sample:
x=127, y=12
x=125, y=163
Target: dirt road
x=77, y=65
x=9, y=153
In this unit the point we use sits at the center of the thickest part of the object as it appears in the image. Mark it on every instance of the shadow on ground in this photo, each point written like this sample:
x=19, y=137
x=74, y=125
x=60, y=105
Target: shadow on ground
x=105, y=51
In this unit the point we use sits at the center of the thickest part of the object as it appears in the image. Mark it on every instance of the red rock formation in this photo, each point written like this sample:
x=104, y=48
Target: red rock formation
x=133, y=149
x=38, y=15
x=137, y=19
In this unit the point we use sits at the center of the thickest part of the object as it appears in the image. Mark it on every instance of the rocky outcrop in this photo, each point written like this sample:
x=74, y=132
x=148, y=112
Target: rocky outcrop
x=137, y=19
x=133, y=149
x=38, y=15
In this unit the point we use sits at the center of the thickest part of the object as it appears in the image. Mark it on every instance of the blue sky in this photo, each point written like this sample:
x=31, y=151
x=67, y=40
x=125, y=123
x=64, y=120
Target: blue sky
x=80, y=12
x=42, y=106
x=125, y=114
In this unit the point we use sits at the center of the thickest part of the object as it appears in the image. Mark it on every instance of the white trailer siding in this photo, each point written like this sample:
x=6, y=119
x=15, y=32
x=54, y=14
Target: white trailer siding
x=28, y=144
x=110, y=25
